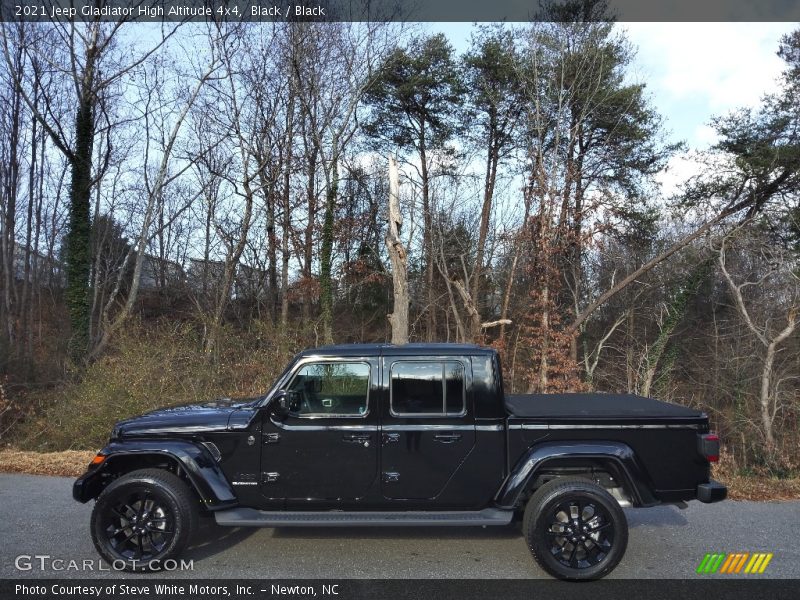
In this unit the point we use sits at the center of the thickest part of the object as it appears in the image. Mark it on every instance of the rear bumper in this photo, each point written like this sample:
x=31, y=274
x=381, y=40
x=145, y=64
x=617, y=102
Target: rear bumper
x=713, y=491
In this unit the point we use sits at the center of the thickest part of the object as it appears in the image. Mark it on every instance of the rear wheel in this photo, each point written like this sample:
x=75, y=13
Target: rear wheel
x=143, y=519
x=575, y=529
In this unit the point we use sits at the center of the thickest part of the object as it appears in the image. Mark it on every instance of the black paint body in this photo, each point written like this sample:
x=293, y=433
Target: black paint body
x=241, y=453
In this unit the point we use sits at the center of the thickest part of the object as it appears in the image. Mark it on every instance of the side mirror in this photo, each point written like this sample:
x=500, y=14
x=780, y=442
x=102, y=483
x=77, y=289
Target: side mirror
x=283, y=402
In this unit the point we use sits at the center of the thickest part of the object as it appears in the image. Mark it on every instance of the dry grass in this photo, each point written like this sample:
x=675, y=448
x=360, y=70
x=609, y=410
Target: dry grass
x=761, y=488
x=71, y=463
x=145, y=370
x=760, y=485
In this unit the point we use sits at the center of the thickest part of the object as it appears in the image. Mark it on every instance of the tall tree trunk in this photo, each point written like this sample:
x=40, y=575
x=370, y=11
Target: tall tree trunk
x=473, y=329
x=311, y=214
x=286, y=225
x=226, y=286
x=765, y=397
x=9, y=226
x=398, y=319
x=272, y=254
x=492, y=159
x=210, y=208
x=527, y=199
x=427, y=242
x=630, y=369
x=507, y=292
x=286, y=222
x=326, y=254
x=37, y=265
x=27, y=283
x=544, y=322
x=78, y=239
x=97, y=275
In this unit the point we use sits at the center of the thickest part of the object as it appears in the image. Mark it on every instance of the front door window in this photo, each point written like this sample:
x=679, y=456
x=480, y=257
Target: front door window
x=331, y=390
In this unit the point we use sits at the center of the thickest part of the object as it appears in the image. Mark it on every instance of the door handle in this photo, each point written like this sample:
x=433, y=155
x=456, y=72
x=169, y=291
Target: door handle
x=357, y=438
x=391, y=438
x=447, y=438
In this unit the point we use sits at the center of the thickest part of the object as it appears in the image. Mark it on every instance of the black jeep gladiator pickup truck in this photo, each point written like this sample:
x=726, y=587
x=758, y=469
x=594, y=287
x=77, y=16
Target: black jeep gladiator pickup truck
x=420, y=434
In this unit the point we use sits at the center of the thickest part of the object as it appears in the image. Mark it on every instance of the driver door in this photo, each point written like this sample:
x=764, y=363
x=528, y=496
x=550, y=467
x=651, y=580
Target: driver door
x=325, y=449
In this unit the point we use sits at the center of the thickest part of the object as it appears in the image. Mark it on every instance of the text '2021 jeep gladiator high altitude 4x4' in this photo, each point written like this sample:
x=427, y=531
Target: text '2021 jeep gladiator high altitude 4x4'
x=420, y=434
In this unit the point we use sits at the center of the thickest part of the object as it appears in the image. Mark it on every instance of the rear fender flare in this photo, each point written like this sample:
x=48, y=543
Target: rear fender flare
x=548, y=454
x=202, y=471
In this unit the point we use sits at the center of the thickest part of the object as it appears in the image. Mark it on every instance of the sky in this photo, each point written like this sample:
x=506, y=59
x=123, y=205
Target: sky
x=697, y=70
x=693, y=72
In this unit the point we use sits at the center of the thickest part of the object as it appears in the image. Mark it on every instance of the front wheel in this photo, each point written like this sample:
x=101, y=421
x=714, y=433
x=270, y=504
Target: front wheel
x=143, y=519
x=575, y=529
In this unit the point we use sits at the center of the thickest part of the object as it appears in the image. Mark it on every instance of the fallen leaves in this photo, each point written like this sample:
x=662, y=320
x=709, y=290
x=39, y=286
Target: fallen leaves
x=69, y=463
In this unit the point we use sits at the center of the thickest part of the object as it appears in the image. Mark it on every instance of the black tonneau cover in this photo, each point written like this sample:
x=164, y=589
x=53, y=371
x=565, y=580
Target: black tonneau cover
x=601, y=406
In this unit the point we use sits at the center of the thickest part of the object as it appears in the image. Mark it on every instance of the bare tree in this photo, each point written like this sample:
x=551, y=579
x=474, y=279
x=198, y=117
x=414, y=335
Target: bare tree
x=168, y=124
x=340, y=62
x=766, y=332
x=92, y=58
x=10, y=173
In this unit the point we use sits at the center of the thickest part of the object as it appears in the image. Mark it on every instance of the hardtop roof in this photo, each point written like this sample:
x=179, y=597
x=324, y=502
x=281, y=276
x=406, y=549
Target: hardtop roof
x=416, y=349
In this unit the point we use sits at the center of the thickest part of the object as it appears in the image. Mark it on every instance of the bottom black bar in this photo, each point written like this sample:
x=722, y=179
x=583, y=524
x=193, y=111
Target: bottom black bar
x=355, y=589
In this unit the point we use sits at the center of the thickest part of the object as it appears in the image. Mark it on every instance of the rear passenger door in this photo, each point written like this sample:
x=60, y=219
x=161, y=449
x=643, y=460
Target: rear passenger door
x=427, y=425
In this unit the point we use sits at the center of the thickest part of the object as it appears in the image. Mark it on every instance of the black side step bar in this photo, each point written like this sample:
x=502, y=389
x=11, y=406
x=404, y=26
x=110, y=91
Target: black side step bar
x=250, y=517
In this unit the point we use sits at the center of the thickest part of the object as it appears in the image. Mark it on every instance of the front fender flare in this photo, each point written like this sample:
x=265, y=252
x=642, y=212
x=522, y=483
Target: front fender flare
x=541, y=455
x=202, y=471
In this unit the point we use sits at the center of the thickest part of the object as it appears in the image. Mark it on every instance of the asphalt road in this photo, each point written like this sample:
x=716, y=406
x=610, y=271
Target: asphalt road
x=39, y=517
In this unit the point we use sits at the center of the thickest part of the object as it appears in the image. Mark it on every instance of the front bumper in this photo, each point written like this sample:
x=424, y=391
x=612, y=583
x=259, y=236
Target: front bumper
x=79, y=489
x=713, y=491
x=88, y=486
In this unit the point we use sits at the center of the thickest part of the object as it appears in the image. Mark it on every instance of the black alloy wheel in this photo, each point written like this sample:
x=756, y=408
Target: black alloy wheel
x=143, y=519
x=582, y=533
x=139, y=527
x=575, y=529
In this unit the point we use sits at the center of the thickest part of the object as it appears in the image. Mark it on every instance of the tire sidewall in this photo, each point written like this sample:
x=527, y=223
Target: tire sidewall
x=162, y=492
x=541, y=519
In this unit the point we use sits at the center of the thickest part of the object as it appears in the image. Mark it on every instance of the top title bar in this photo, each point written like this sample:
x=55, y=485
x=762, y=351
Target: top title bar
x=143, y=11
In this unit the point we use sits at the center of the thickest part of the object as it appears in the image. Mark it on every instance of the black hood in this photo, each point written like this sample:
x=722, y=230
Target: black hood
x=215, y=415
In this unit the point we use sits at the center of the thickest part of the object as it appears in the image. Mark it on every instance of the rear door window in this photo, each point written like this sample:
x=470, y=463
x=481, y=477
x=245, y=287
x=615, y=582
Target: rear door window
x=427, y=388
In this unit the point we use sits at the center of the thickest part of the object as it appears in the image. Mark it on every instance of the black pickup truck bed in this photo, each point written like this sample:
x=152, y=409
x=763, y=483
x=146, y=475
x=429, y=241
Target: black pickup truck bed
x=663, y=436
x=594, y=406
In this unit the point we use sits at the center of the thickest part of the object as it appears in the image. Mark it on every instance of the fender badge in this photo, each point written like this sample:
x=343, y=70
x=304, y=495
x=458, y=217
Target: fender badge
x=251, y=440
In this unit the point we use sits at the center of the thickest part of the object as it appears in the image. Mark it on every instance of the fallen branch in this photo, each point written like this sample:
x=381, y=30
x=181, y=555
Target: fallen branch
x=489, y=324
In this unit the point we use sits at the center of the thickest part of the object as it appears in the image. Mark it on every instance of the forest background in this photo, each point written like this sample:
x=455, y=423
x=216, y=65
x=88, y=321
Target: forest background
x=185, y=206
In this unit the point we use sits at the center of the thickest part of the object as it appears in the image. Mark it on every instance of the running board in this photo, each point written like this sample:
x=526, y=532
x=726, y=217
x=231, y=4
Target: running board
x=250, y=517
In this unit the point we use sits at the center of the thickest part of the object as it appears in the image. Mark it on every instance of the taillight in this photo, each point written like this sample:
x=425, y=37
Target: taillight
x=709, y=446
